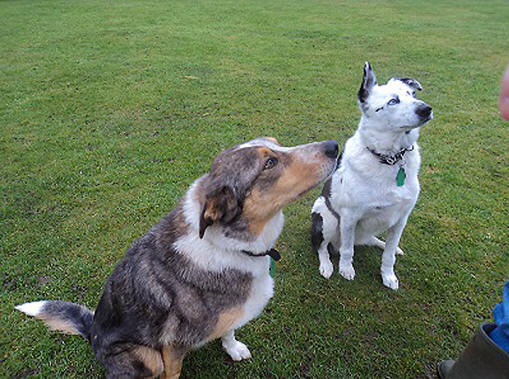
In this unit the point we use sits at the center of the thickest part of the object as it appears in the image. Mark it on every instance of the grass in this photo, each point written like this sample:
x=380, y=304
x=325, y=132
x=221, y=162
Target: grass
x=109, y=110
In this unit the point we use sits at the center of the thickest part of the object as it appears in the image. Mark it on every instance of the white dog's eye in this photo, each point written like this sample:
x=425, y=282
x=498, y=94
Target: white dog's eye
x=393, y=101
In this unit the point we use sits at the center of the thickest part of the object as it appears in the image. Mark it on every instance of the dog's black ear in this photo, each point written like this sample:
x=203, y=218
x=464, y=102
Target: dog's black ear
x=368, y=82
x=412, y=83
x=220, y=205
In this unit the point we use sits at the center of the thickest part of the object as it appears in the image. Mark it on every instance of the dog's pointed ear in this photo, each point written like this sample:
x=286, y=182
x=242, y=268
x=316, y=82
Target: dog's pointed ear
x=368, y=82
x=220, y=205
x=412, y=83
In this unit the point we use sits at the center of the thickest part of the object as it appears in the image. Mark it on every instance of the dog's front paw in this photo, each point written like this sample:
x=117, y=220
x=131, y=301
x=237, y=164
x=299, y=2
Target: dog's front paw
x=391, y=281
x=347, y=271
x=399, y=251
x=237, y=350
x=326, y=269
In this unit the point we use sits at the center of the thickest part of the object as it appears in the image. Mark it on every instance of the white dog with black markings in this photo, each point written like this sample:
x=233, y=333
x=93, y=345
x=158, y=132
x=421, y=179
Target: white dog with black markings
x=375, y=186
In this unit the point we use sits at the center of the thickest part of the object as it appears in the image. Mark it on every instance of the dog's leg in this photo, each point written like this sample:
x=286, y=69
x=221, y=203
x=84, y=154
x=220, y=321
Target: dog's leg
x=326, y=268
x=373, y=241
x=347, y=229
x=172, y=358
x=235, y=349
x=389, y=255
x=324, y=233
x=133, y=361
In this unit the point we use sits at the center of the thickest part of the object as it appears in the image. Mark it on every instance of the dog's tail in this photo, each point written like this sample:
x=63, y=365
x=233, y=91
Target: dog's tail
x=62, y=316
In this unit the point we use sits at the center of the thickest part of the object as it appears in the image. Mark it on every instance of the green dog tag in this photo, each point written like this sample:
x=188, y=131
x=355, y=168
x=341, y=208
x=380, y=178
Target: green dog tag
x=272, y=267
x=400, y=178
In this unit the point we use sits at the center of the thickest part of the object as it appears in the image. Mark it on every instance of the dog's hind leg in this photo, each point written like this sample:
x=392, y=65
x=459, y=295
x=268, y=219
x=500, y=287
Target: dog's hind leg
x=324, y=235
x=134, y=361
x=172, y=358
x=326, y=267
x=374, y=241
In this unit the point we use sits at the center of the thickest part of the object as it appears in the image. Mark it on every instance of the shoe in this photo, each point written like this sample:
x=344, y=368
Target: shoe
x=481, y=359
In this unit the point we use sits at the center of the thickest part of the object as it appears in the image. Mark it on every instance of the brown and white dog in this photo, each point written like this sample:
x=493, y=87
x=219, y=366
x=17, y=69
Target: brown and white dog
x=203, y=271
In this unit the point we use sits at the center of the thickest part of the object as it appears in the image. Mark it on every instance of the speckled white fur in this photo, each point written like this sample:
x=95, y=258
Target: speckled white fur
x=364, y=192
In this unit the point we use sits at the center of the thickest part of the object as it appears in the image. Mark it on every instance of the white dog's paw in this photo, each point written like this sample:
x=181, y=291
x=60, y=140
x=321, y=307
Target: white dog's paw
x=326, y=269
x=237, y=350
x=347, y=271
x=399, y=251
x=391, y=281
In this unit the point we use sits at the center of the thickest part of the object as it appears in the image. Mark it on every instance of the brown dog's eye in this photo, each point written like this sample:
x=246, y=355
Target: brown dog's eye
x=271, y=162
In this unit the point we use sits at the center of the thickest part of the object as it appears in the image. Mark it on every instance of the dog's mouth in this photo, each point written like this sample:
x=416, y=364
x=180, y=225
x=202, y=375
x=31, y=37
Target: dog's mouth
x=422, y=122
x=426, y=118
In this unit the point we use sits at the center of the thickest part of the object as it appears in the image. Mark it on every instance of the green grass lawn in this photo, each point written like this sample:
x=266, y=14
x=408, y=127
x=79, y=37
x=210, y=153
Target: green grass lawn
x=110, y=109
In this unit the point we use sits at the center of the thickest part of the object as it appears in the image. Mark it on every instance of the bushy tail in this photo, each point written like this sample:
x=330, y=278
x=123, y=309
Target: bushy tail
x=58, y=315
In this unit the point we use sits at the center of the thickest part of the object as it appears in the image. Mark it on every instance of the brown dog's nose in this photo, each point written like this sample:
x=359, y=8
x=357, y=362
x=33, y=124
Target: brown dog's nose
x=331, y=148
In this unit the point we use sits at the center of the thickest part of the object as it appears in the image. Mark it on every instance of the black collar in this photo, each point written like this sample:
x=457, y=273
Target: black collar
x=391, y=159
x=273, y=253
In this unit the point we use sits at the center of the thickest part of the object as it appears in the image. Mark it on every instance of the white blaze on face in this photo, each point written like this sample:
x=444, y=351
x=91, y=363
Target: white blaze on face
x=265, y=142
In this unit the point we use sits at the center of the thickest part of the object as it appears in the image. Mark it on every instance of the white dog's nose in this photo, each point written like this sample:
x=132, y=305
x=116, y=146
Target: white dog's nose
x=424, y=111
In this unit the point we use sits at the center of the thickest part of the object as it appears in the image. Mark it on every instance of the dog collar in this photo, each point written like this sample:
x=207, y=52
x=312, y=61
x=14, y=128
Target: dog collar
x=390, y=159
x=273, y=253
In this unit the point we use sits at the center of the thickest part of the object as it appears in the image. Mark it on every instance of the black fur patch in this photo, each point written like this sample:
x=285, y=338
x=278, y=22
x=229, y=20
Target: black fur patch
x=331, y=210
x=368, y=82
x=362, y=94
x=340, y=158
x=327, y=188
x=326, y=191
x=411, y=82
x=79, y=316
x=316, y=230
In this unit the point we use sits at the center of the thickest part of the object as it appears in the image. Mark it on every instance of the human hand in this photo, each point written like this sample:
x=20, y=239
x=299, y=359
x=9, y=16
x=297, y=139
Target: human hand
x=503, y=100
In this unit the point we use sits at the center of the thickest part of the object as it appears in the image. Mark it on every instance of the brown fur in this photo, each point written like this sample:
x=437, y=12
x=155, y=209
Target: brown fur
x=265, y=152
x=59, y=325
x=172, y=359
x=225, y=322
x=297, y=178
x=151, y=358
x=263, y=203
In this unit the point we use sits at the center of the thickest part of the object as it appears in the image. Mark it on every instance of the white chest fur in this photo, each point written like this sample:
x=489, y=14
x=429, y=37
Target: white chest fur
x=262, y=290
x=216, y=252
x=367, y=189
x=208, y=257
